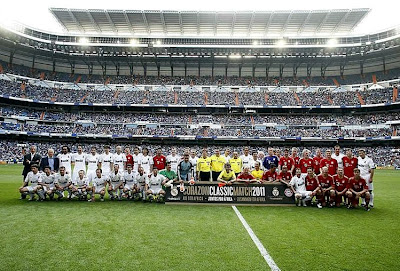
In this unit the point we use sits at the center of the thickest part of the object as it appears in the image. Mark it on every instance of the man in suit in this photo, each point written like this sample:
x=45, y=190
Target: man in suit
x=32, y=158
x=50, y=160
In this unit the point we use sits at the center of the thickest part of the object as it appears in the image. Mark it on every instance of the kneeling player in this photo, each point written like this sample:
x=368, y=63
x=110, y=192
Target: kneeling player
x=99, y=183
x=31, y=184
x=327, y=188
x=130, y=187
x=116, y=183
x=141, y=178
x=48, y=183
x=357, y=189
x=312, y=184
x=80, y=186
x=298, y=185
x=63, y=183
x=341, y=184
x=154, y=186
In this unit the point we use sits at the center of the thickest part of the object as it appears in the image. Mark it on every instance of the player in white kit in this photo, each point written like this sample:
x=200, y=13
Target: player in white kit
x=65, y=159
x=106, y=161
x=146, y=161
x=119, y=159
x=48, y=183
x=63, y=182
x=93, y=163
x=78, y=160
x=31, y=183
x=193, y=160
x=129, y=182
x=338, y=156
x=116, y=183
x=80, y=186
x=136, y=159
x=247, y=159
x=99, y=183
x=367, y=168
x=298, y=185
x=141, y=178
x=174, y=159
x=154, y=185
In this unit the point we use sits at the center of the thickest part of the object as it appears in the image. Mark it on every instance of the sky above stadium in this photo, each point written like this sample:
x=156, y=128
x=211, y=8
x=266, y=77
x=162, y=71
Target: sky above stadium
x=383, y=15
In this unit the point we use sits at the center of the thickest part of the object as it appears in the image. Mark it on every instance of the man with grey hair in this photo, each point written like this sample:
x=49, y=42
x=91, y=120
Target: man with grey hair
x=50, y=160
x=32, y=158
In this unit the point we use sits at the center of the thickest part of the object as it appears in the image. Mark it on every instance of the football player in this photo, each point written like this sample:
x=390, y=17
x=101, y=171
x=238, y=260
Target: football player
x=257, y=172
x=305, y=162
x=63, y=183
x=130, y=183
x=357, y=189
x=119, y=159
x=227, y=175
x=245, y=176
x=116, y=183
x=312, y=183
x=270, y=175
x=93, y=163
x=80, y=186
x=329, y=162
x=141, y=179
x=298, y=185
x=48, y=183
x=185, y=169
x=287, y=161
x=106, y=161
x=65, y=159
x=78, y=160
x=341, y=184
x=327, y=188
x=349, y=163
x=154, y=185
x=285, y=176
x=173, y=158
x=31, y=184
x=99, y=183
x=367, y=168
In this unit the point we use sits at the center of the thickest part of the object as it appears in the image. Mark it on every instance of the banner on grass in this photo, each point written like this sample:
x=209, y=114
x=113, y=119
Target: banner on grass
x=236, y=194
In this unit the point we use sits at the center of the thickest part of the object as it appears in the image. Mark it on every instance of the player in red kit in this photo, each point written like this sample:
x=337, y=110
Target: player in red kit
x=349, y=163
x=357, y=189
x=285, y=175
x=341, y=183
x=317, y=160
x=270, y=175
x=129, y=157
x=295, y=158
x=159, y=161
x=287, y=161
x=327, y=188
x=312, y=183
x=305, y=162
x=329, y=162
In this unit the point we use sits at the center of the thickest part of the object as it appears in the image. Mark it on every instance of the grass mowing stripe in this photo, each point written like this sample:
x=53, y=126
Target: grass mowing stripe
x=256, y=241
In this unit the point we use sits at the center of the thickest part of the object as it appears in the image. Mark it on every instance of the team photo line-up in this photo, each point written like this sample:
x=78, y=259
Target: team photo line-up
x=333, y=179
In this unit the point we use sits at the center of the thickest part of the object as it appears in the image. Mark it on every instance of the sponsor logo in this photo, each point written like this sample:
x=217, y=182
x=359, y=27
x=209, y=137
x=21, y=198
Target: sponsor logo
x=288, y=192
x=275, y=192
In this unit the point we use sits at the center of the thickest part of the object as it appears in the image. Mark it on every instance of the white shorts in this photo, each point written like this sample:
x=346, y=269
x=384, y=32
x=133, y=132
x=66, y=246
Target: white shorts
x=129, y=187
x=98, y=190
x=90, y=174
x=305, y=194
x=367, y=178
x=115, y=186
x=52, y=189
x=155, y=191
x=31, y=188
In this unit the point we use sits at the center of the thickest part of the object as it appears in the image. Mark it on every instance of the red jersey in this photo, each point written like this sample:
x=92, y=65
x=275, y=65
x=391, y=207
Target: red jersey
x=349, y=164
x=285, y=176
x=325, y=182
x=311, y=183
x=289, y=162
x=269, y=176
x=340, y=183
x=306, y=163
x=317, y=162
x=243, y=176
x=160, y=162
x=296, y=161
x=331, y=164
x=357, y=185
x=129, y=160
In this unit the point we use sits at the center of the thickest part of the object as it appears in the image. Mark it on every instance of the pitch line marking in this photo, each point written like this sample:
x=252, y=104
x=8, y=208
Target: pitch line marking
x=257, y=242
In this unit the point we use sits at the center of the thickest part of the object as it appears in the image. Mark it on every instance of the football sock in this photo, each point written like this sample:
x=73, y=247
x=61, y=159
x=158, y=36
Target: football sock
x=371, y=201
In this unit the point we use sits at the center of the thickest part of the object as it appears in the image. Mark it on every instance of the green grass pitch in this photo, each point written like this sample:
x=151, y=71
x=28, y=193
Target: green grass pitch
x=143, y=236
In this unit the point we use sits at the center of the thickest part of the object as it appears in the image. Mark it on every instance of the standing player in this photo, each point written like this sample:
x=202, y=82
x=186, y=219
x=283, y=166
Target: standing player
x=305, y=162
x=287, y=161
x=63, y=183
x=298, y=185
x=48, y=183
x=270, y=159
x=116, y=183
x=136, y=159
x=65, y=159
x=349, y=163
x=236, y=163
x=106, y=161
x=119, y=159
x=327, y=188
x=367, y=168
x=78, y=160
x=254, y=160
x=296, y=158
x=338, y=156
x=217, y=164
x=185, y=169
x=341, y=185
x=146, y=161
x=246, y=158
x=317, y=161
x=193, y=159
x=284, y=175
x=329, y=162
x=204, y=167
x=32, y=182
x=159, y=161
x=154, y=185
x=99, y=183
x=173, y=158
x=129, y=157
x=357, y=189
x=227, y=155
x=93, y=163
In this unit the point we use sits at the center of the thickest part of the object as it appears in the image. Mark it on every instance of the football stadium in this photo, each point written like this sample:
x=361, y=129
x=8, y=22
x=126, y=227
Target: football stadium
x=155, y=137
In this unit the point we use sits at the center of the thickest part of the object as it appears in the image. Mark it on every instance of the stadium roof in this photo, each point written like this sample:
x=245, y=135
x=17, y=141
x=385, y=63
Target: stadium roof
x=210, y=24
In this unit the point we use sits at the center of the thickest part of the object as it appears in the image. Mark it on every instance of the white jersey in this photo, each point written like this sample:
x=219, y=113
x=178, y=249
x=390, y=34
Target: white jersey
x=141, y=180
x=99, y=183
x=194, y=161
x=253, y=164
x=119, y=159
x=80, y=182
x=92, y=161
x=339, y=159
x=365, y=165
x=48, y=180
x=79, y=160
x=227, y=158
x=136, y=161
x=246, y=160
x=106, y=160
x=62, y=180
x=130, y=178
x=116, y=179
x=174, y=160
x=65, y=161
x=298, y=183
x=146, y=162
x=33, y=179
x=155, y=182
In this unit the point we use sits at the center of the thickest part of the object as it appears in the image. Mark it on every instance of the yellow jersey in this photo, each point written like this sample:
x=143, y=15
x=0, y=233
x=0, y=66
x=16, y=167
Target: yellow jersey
x=204, y=164
x=257, y=174
x=227, y=176
x=236, y=164
x=217, y=163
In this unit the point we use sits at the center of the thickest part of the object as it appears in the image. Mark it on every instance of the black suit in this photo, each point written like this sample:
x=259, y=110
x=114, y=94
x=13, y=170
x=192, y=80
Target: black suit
x=27, y=165
x=45, y=162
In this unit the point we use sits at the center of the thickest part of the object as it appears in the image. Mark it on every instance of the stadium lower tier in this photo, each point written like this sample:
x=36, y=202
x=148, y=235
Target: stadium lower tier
x=12, y=151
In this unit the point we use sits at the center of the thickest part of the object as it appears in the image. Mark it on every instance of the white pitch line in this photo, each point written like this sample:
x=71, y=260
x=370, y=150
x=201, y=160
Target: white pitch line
x=256, y=241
